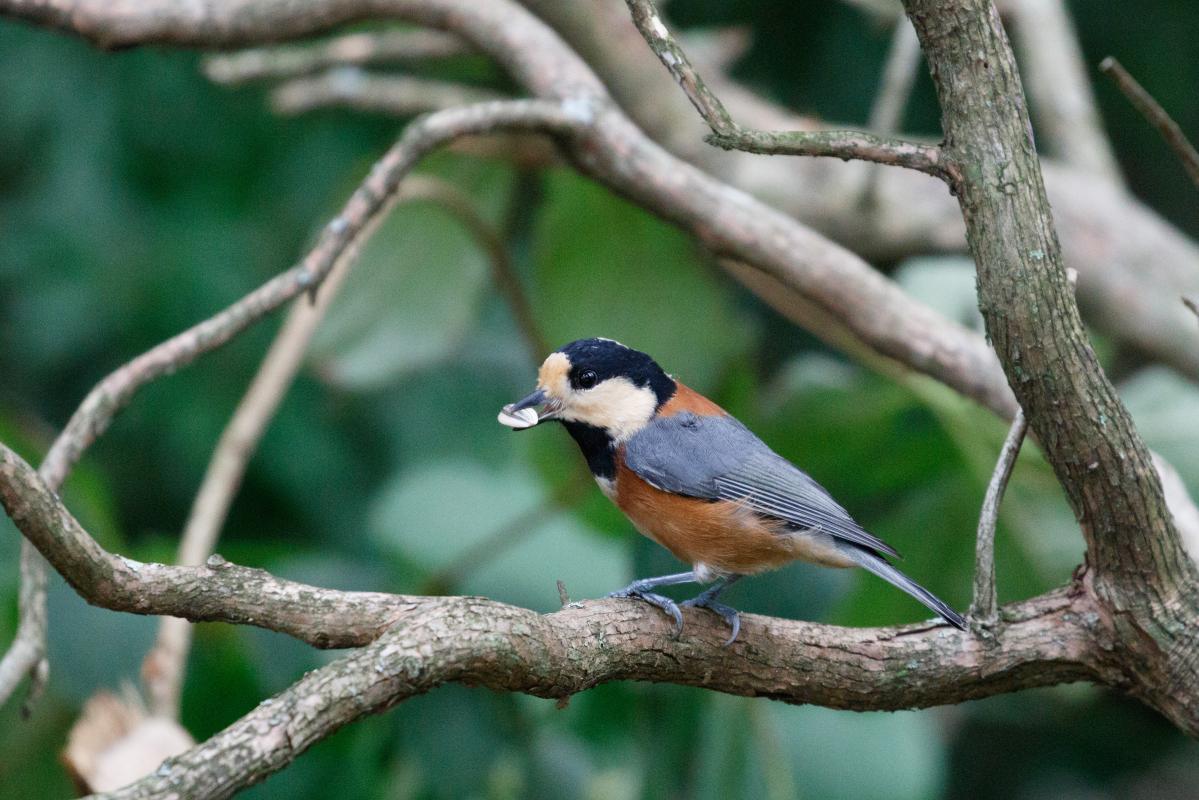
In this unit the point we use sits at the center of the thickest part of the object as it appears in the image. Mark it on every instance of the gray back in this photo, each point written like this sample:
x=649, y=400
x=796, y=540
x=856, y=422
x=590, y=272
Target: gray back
x=718, y=458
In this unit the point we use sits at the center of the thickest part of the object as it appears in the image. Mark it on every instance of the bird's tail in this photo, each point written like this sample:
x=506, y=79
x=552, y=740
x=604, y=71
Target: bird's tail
x=882, y=568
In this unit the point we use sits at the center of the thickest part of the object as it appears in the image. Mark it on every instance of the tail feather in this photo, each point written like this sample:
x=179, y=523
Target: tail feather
x=891, y=575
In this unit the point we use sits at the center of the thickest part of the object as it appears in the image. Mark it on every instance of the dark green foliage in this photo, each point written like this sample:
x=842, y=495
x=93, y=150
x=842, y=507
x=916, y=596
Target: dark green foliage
x=136, y=199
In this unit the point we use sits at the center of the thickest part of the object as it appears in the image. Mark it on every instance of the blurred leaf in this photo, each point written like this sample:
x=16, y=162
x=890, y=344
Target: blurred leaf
x=868, y=756
x=1165, y=407
x=436, y=513
x=607, y=268
x=725, y=757
x=415, y=290
x=82, y=636
x=947, y=283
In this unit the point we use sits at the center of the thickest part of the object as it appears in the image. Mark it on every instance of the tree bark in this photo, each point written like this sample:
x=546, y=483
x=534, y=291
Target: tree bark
x=1141, y=571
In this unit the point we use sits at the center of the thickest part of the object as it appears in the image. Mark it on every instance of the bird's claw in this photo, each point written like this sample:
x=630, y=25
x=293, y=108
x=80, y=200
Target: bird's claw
x=727, y=613
x=661, y=601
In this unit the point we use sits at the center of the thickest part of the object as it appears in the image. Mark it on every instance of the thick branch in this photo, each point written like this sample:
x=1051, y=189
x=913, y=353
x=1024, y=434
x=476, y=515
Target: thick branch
x=1046, y=641
x=1084, y=428
x=483, y=643
x=216, y=591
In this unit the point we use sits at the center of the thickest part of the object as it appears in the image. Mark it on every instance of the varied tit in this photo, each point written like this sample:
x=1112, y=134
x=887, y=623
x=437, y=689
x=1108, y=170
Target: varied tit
x=695, y=480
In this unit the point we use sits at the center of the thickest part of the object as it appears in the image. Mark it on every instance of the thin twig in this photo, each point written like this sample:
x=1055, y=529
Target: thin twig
x=395, y=94
x=26, y=656
x=289, y=61
x=1157, y=116
x=985, y=607
x=728, y=135
x=1192, y=304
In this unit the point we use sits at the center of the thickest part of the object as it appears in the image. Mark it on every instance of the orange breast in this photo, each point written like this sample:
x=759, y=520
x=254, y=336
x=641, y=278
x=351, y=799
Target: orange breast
x=724, y=535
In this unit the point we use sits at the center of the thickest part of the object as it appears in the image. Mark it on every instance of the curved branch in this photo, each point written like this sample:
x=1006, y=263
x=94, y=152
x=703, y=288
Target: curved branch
x=985, y=606
x=216, y=591
x=103, y=402
x=483, y=643
x=164, y=666
x=26, y=655
x=1051, y=639
x=1133, y=264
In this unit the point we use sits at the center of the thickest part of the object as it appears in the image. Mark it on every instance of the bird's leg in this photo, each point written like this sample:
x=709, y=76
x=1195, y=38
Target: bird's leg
x=707, y=599
x=640, y=589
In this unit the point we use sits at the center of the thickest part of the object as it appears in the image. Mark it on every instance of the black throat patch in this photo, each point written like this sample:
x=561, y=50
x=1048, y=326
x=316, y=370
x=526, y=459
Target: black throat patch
x=598, y=448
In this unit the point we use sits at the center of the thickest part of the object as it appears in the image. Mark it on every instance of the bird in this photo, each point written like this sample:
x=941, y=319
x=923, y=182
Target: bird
x=696, y=480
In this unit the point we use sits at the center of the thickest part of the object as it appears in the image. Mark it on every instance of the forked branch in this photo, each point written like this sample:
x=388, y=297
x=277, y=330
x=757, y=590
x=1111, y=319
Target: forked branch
x=727, y=134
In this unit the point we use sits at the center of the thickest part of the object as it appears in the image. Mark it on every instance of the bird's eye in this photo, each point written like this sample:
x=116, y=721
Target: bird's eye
x=587, y=379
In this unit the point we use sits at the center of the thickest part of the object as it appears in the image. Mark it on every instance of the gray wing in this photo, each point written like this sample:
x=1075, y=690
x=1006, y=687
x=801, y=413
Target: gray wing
x=718, y=458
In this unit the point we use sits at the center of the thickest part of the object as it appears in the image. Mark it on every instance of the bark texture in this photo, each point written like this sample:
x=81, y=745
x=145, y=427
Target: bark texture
x=1130, y=618
x=1140, y=569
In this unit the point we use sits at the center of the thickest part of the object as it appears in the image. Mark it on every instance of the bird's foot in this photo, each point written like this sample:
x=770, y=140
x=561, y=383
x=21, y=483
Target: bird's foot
x=638, y=590
x=728, y=614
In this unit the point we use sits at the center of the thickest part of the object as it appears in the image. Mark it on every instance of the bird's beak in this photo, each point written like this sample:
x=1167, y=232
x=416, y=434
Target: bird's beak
x=522, y=414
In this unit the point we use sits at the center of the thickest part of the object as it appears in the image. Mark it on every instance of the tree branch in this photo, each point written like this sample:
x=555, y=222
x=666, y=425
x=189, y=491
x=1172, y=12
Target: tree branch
x=1157, y=116
x=479, y=642
x=355, y=49
x=165, y=665
x=728, y=135
x=1134, y=264
x=102, y=403
x=26, y=656
x=1140, y=566
x=1048, y=640
x=1056, y=75
x=985, y=606
x=1085, y=634
x=401, y=95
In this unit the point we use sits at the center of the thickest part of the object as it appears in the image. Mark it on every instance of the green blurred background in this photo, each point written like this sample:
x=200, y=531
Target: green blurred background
x=136, y=198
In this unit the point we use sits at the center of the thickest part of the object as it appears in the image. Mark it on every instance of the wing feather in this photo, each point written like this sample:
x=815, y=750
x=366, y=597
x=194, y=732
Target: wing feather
x=718, y=458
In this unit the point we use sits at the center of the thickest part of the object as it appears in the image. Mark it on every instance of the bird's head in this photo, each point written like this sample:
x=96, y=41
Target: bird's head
x=596, y=382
